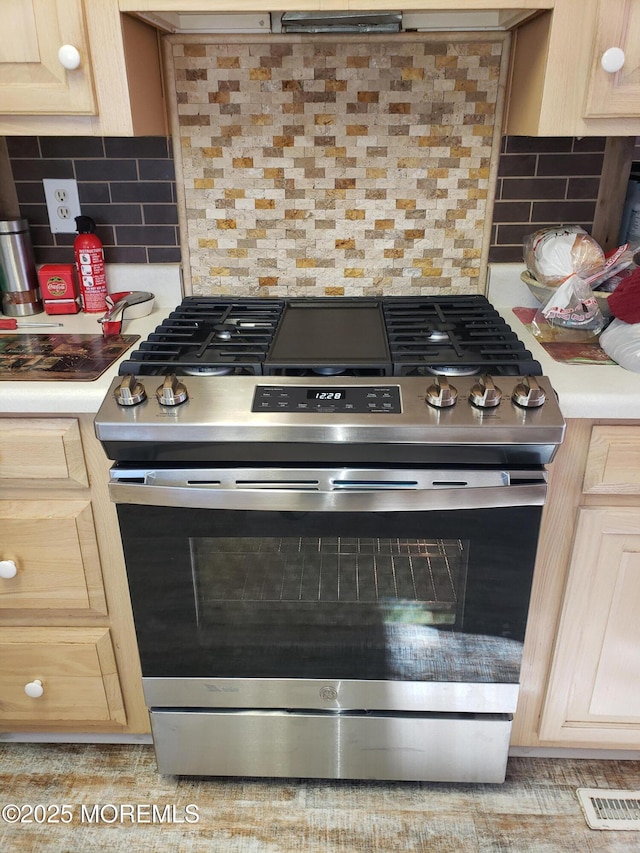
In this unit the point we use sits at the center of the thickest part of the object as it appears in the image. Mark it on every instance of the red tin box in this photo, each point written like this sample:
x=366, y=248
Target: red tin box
x=59, y=288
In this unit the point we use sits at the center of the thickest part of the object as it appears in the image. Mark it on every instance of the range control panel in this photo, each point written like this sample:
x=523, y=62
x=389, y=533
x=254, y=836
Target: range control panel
x=351, y=399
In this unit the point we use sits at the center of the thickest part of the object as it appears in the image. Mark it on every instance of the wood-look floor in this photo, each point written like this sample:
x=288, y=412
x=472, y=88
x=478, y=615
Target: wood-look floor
x=535, y=811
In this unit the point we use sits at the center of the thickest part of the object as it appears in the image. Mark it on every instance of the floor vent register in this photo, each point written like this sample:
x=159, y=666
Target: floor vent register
x=610, y=809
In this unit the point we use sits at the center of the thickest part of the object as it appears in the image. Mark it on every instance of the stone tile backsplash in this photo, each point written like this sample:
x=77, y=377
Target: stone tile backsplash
x=331, y=167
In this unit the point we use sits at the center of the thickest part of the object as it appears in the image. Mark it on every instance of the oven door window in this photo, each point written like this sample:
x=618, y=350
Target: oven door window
x=437, y=596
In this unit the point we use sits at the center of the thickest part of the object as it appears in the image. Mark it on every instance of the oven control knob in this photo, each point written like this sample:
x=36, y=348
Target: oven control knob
x=130, y=392
x=485, y=394
x=172, y=392
x=528, y=394
x=441, y=394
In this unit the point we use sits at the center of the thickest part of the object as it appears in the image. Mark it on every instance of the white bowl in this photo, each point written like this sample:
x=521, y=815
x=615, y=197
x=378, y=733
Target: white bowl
x=132, y=312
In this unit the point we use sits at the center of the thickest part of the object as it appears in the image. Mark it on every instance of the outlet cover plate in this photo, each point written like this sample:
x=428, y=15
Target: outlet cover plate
x=63, y=204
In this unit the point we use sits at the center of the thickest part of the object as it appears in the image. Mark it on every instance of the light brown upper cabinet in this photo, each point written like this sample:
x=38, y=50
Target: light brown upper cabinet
x=115, y=88
x=558, y=86
x=32, y=77
x=615, y=93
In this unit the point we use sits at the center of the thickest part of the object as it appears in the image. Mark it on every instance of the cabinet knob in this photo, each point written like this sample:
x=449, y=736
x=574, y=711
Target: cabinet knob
x=612, y=60
x=69, y=57
x=34, y=689
x=8, y=569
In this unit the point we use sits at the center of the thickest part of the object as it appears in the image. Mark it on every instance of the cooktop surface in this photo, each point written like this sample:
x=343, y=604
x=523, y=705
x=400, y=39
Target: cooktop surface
x=386, y=336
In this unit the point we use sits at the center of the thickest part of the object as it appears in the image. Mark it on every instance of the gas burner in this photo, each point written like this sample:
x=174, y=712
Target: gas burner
x=224, y=331
x=208, y=370
x=438, y=332
x=301, y=372
x=207, y=362
x=329, y=371
x=448, y=370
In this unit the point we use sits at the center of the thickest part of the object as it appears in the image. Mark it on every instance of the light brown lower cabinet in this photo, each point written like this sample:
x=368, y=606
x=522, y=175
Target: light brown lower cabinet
x=593, y=696
x=49, y=675
x=68, y=654
x=581, y=673
x=53, y=546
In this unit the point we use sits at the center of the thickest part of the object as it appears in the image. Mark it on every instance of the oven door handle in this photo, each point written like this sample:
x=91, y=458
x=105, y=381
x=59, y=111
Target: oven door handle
x=360, y=491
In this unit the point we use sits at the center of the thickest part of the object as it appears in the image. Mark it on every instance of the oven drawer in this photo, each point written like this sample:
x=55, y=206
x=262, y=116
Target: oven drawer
x=404, y=747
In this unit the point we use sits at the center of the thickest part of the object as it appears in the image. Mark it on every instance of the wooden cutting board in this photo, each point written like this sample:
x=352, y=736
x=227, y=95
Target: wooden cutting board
x=79, y=358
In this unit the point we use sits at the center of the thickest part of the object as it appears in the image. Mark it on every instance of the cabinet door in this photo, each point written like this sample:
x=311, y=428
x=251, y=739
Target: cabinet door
x=616, y=94
x=32, y=79
x=593, y=696
x=76, y=671
x=52, y=545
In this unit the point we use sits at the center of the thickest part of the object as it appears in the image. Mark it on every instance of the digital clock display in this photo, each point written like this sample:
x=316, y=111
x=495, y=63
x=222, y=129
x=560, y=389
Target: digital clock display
x=325, y=394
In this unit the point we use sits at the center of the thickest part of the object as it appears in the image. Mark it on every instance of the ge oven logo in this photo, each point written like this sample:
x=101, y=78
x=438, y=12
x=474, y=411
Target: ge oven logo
x=328, y=693
x=215, y=688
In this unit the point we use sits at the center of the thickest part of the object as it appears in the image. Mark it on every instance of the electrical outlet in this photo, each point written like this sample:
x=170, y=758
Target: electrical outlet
x=63, y=204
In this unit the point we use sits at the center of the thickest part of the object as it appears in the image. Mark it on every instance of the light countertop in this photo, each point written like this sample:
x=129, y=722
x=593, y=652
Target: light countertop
x=584, y=390
x=66, y=396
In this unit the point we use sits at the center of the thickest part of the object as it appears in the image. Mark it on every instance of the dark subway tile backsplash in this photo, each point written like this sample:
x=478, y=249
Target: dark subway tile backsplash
x=543, y=182
x=126, y=185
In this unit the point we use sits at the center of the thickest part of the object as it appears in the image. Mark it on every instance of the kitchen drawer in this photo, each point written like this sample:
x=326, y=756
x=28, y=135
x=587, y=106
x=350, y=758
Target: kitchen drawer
x=54, y=549
x=41, y=452
x=613, y=461
x=77, y=670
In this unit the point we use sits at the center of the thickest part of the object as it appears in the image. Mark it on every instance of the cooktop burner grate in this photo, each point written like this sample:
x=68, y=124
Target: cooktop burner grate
x=455, y=335
x=209, y=336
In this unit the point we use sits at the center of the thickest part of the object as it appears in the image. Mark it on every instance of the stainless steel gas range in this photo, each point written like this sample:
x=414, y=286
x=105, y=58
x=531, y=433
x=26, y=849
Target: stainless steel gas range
x=330, y=510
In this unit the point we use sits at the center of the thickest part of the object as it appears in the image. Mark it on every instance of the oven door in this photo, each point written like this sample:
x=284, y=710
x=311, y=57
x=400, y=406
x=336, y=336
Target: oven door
x=330, y=588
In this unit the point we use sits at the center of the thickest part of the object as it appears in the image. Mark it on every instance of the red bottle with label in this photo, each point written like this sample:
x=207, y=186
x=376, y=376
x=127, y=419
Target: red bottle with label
x=90, y=264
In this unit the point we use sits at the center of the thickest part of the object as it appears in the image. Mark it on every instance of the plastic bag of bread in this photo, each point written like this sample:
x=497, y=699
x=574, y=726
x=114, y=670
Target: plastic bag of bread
x=553, y=254
x=570, y=314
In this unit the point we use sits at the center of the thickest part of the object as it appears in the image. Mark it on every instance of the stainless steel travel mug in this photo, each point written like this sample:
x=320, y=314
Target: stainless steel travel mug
x=19, y=286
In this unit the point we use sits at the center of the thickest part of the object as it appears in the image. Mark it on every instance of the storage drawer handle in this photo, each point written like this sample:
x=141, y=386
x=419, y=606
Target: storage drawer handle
x=34, y=689
x=8, y=569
